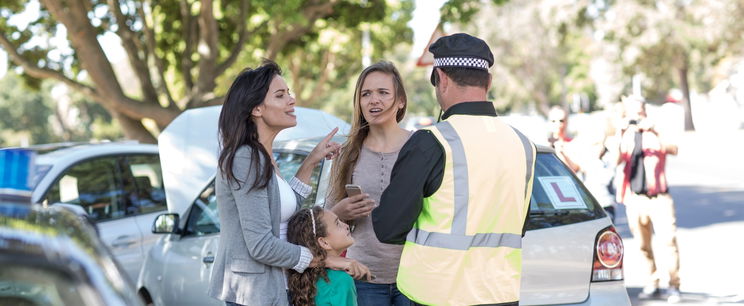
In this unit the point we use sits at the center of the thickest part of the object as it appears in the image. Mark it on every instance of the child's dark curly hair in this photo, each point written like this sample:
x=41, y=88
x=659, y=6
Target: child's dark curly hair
x=300, y=232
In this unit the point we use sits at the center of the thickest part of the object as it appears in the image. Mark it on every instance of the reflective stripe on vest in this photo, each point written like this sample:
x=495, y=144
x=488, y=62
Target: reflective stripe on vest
x=528, y=149
x=460, y=172
x=464, y=242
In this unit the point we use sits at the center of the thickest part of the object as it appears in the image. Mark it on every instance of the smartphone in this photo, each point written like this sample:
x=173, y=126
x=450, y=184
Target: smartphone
x=352, y=190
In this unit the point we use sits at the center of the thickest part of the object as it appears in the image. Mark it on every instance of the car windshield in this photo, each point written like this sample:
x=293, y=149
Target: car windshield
x=204, y=216
x=558, y=198
x=41, y=171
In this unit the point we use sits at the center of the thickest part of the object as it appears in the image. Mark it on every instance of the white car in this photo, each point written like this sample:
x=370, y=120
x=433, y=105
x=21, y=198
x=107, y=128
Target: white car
x=572, y=254
x=118, y=185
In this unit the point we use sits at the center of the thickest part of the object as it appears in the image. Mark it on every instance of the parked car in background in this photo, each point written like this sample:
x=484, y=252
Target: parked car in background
x=51, y=256
x=119, y=185
x=572, y=254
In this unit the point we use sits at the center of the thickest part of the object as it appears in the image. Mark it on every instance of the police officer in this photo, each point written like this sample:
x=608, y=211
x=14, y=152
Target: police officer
x=459, y=192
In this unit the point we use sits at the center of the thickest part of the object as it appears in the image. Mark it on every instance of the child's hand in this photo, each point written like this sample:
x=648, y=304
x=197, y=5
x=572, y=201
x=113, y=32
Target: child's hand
x=354, y=207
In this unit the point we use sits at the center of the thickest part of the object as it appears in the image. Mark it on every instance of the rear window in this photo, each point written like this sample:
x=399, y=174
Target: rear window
x=558, y=197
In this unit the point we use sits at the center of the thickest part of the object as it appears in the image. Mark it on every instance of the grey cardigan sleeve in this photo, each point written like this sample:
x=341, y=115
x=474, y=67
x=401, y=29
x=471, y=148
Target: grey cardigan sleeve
x=254, y=213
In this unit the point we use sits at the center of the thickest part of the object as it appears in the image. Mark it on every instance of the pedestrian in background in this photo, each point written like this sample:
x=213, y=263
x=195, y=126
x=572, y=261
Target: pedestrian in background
x=559, y=138
x=254, y=201
x=644, y=191
x=460, y=248
x=366, y=160
x=589, y=154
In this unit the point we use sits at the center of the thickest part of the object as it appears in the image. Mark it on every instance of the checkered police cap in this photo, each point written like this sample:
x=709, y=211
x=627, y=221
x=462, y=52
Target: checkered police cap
x=461, y=50
x=467, y=62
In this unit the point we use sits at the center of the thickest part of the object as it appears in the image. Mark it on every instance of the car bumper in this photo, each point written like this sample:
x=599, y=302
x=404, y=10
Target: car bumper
x=607, y=293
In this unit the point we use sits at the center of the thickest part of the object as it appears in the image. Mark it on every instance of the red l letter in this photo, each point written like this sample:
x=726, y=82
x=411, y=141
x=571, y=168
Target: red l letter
x=561, y=197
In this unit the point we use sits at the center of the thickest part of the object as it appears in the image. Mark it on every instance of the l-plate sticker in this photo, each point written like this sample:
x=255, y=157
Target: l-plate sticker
x=562, y=192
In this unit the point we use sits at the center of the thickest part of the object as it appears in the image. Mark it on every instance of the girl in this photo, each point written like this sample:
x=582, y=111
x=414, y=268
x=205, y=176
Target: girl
x=367, y=158
x=325, y=235
x=253, y=200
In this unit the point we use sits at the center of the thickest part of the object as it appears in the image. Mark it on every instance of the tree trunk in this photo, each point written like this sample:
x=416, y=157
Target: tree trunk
x=684, y=85
x=83, y=38
x=133, y=129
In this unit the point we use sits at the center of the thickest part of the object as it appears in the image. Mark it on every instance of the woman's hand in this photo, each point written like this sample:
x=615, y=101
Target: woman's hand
x=354, y=207
x=351, y=266
x=324, y=149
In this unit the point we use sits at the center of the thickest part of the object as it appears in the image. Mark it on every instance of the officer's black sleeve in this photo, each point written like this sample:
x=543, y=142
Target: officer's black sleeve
x=417, y=174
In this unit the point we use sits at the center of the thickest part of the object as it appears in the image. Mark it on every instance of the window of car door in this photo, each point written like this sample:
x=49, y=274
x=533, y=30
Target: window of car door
x=95, y=184
x=204, y=219
x=145, y=179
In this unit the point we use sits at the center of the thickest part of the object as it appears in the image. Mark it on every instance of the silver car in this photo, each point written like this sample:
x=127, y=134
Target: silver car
x=572, y=254
x=119, y=185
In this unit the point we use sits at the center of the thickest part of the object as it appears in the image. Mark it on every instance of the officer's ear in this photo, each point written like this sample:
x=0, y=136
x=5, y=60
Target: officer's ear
x=443, y=80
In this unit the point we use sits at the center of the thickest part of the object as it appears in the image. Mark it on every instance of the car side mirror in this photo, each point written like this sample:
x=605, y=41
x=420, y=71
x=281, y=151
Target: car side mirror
x=165, y=224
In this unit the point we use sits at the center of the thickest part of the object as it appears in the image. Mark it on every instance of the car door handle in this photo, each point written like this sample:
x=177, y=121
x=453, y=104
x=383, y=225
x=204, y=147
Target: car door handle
x=208, y=259
x=123, y=241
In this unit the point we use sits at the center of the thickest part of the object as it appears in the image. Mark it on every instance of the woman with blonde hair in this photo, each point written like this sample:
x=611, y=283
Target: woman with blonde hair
x=366, y=160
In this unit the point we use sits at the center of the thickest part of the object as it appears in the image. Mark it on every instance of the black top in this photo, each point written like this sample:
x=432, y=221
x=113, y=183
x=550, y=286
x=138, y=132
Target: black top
x=417, y=174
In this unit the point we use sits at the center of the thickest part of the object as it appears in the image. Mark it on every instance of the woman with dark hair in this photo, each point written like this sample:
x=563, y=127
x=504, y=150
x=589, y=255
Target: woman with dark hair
x=254, y=201
x=366, y=159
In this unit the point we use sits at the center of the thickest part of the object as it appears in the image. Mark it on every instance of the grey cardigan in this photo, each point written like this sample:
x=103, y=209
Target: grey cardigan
x=250, y=257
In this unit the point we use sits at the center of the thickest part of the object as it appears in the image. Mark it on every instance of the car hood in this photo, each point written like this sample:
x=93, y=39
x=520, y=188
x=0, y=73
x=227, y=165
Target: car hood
x=189, y=148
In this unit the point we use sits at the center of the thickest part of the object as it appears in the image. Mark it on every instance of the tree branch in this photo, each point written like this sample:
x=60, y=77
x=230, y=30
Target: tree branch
x=312, y=13
x=242, y=36
x=44, y=73
x=214, y=101
x=208, y=49
x=189, y=33
x=162, y=85
x=83, y=38
x=320, y=85
x=133, y=46
x=295, y=65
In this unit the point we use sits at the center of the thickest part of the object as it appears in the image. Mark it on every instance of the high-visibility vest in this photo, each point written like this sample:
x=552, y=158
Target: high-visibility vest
x=465, y=247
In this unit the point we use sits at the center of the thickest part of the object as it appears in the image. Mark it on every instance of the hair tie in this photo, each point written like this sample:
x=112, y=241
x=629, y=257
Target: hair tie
x=312, y=217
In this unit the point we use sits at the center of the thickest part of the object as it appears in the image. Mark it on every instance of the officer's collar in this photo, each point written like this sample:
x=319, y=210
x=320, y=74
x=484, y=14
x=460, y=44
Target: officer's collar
x=481, y=108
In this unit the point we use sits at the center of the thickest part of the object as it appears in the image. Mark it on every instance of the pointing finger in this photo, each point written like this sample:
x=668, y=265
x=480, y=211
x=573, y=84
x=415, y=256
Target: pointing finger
x=330, y=135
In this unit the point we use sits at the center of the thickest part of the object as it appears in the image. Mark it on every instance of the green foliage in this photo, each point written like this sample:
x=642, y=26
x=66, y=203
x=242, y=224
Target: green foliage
x=337, y=49
x=463, y=11
x=541, y=50
x=660, y=37
x=37, y=118
x=29, y=110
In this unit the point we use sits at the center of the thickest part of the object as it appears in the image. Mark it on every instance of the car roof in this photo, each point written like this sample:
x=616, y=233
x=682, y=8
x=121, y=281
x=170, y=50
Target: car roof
x=189, y=147
x=82, y=151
